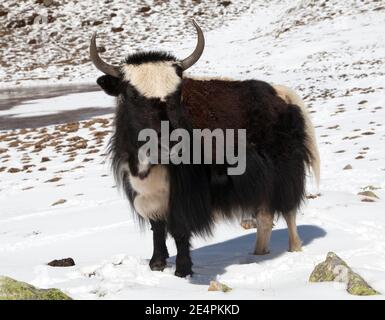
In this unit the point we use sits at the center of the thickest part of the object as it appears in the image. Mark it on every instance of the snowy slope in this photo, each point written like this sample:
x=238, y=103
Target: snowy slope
x=52, y=37
x=336, y=61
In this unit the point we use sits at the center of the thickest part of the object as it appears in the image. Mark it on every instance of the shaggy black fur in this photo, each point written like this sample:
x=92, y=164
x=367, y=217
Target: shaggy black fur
x=158, y=260
x=274, y=178
x=276, y=154
x=150, y=56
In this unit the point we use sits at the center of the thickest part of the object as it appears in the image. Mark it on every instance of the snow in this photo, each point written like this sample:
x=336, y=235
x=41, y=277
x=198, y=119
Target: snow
x=57, y=36
x=334, y=60
x=75, y=101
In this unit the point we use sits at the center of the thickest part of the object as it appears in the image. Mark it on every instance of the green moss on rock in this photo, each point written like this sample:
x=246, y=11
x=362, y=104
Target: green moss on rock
x=335, y=269
x=11, y=289
x=358, y=286
x=217, y=286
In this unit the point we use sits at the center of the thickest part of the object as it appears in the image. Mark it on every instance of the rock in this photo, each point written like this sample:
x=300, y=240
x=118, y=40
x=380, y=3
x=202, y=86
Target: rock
x=86, y=23
x=74, y=138
x=217, y=286
x=68, y=127
x=14, y=170
x=100, y=133
x=101, y=49
x=313, y=196
x=80, y=145
x=11, y=289
x=16, y=24
x=371, y=187
x=47, y=3
x=61, y=201
x=67, y=262
x=335, y=269
x=55, y=179
x=117, y=29
x=45, y=159
x=34, y=18
x=14, y=144
x=249, y=224
x=97, y=22
x=93, y=151
x=28, y=166
x=348, y=167
x=368, y=200
x=368, y=193
x=225, y=3
x=144, y=9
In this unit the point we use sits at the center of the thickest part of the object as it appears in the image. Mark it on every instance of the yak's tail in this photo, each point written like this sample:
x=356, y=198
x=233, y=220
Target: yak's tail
x=290, y=96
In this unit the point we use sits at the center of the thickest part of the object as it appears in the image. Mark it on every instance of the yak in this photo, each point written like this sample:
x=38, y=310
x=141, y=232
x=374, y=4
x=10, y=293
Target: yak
x=184, y=200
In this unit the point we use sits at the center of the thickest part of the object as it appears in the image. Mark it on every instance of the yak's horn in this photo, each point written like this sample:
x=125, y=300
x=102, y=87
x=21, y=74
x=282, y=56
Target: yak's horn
x=194, y=57
x=99, y=63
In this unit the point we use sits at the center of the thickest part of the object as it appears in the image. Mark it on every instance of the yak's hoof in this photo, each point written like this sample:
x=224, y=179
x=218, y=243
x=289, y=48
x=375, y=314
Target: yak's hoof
x=158, y=264
x=183, y=267
x=182, y=273
x=295, y=249
x=295, y=245
x=261, y=252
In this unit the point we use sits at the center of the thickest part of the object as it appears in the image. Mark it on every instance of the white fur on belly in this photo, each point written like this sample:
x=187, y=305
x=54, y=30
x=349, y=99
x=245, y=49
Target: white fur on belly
x=153, y=192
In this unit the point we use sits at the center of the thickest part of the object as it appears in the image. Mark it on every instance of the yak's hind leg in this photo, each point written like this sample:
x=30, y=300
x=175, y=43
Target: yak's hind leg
x=295, y=243
x=264, y=228
x=158, y=261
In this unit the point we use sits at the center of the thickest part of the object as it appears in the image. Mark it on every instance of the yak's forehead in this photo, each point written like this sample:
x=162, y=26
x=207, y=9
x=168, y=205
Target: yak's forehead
x=153, y=79
x=149, y=56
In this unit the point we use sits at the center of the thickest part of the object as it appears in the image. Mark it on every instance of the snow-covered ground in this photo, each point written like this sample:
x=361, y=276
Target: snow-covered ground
x=46, y=42
x=68, y=206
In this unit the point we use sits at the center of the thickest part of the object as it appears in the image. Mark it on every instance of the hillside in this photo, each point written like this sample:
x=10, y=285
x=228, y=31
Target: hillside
x=58, y=198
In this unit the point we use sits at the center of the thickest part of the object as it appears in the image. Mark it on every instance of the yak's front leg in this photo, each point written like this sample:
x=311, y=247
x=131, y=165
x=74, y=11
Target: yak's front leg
x=158, y=261
x=183, y=259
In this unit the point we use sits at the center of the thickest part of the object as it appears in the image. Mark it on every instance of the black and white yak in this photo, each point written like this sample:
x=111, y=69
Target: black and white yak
x=185, y=200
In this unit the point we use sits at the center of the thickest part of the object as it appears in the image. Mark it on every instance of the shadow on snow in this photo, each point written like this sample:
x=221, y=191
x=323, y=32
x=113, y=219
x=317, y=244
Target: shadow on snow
x=212, y=260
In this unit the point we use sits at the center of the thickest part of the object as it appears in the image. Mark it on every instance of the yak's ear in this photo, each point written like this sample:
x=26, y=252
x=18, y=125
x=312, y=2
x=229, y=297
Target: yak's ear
x=109, y=84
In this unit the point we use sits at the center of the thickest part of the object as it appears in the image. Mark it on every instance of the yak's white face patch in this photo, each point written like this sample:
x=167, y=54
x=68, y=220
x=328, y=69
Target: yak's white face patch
x=153, y=79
